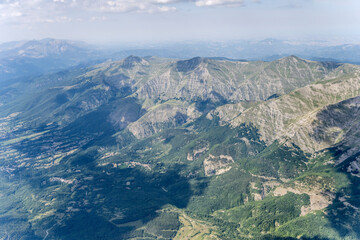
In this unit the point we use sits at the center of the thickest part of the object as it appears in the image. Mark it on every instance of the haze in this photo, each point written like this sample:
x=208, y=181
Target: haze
x=177, y=20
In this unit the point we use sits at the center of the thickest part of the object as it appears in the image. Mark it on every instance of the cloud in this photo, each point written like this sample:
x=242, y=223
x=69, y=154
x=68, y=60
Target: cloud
x=123, y=6
x=28, y=11
x=211, y=3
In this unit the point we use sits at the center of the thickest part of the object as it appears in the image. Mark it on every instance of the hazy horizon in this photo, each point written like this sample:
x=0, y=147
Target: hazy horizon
x=155, y=44
x=154, y=21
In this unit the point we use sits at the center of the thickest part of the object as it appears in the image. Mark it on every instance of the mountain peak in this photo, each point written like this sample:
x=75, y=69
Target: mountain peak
x=291, y=58
x=189, y=65
x=131, y=61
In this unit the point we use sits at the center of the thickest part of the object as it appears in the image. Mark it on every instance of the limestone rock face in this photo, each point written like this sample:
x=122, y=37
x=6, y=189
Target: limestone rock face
x=216, y=165
x=318, y=199
x=167, y=115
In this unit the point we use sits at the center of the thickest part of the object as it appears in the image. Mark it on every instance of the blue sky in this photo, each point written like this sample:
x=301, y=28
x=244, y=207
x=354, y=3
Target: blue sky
x=111, y=21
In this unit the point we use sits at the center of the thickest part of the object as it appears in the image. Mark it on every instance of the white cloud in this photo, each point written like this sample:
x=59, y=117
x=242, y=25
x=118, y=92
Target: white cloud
x=10, y=14
x=28, y=11
x=166, y=9
x=210, y=3
x=122, y=6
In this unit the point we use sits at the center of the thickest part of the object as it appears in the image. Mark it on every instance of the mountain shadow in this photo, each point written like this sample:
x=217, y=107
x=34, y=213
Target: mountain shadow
x=189, y=65
x=343, y=213
x=119, y=201
x=104, y=202
x=88, y=200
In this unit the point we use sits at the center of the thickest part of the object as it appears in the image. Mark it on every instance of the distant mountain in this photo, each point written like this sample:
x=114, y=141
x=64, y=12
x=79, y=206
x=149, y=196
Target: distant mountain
x=199, y=148
x=28, y=58
x=264, y=50
x=41, y=48
x=341, y=53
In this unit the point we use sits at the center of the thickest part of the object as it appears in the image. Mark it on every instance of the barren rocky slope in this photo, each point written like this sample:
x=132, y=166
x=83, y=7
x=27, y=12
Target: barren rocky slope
x=299, y=115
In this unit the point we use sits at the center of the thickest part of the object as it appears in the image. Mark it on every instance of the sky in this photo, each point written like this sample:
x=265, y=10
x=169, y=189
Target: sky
x=111, y=21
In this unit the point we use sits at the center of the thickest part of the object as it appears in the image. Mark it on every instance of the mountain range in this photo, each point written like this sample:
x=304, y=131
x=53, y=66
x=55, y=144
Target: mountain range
x=36, y=57
x=21, y=59
x=164, y=148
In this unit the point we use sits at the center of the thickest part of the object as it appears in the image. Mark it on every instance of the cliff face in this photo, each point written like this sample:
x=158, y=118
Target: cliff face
x=170, y=114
